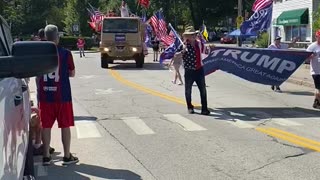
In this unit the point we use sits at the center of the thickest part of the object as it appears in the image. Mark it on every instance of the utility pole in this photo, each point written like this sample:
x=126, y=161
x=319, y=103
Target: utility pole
x=239, y=15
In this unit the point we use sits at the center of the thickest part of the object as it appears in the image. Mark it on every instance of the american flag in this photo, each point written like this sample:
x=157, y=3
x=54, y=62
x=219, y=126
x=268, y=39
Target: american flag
x=160, y=28
x=159, y=25
x=261, y=4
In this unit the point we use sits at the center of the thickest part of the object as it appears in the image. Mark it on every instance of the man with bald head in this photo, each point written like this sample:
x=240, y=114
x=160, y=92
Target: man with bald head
x=55, y=100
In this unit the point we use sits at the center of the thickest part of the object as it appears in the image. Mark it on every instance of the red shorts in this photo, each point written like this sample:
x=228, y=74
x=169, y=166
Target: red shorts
x=62, y=112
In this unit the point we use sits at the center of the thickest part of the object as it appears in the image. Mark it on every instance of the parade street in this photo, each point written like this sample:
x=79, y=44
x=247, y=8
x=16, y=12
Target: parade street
x=133, y=124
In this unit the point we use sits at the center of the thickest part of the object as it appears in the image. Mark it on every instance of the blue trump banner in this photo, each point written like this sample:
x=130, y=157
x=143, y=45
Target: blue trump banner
x=263, y=66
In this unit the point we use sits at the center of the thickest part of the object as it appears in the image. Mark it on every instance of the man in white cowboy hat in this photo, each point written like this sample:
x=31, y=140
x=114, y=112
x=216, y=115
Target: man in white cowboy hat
x=193, y=69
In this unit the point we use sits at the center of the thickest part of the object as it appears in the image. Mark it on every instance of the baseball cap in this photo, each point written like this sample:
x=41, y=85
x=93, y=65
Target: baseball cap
x=277, y=38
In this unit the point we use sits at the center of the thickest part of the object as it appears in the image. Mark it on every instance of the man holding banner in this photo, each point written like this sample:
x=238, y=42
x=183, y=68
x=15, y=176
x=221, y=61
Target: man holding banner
x=315, y=68
x=193, y=69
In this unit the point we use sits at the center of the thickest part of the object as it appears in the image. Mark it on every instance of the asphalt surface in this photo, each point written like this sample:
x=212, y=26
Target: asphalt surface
x=132, y=124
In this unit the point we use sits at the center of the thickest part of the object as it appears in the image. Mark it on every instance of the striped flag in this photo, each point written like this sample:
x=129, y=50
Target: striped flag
x=159, y=25
x=144, y=3
x=261, y=4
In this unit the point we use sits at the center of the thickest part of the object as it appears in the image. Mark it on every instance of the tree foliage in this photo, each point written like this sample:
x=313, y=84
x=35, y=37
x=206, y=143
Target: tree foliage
x=27, y=16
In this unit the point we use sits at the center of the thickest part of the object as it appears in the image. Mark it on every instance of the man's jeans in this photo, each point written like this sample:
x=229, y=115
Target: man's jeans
x=197, y=76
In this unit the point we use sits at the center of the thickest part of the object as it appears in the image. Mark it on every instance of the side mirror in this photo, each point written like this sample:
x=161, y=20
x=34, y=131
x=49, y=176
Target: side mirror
x=29, y=59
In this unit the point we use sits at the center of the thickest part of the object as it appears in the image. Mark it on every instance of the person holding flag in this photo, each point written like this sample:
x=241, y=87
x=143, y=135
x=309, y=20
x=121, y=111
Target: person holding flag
x=193, y=66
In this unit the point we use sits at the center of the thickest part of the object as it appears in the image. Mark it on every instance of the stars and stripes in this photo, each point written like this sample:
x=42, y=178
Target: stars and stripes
x=160, y=28
x=261, y=4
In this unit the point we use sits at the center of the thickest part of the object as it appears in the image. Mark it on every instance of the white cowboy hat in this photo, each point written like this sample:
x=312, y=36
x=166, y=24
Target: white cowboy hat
x=189, y=31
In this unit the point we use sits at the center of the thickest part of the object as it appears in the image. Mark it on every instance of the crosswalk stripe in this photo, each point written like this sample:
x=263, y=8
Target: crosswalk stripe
x=285, y=122
x=138, y=125
x=187, y=124
x=87, y=129
x=241, y=124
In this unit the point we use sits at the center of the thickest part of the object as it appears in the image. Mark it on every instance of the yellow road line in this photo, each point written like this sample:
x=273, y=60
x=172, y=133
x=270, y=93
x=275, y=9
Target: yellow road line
x=294, y=139
x=274, y=132
x=118, y=77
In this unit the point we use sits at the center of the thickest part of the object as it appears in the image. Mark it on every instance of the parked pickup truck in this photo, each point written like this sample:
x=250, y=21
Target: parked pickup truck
x=18, y=62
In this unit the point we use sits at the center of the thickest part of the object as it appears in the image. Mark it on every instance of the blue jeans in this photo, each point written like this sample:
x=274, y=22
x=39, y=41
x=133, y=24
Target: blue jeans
x=197, y=76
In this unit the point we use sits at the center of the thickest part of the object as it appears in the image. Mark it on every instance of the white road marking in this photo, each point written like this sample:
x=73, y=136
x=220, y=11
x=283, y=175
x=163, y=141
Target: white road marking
x=87, y=77
x=87, y=129
x=138, y=125
x=285, y=122
x=106, y=91
x=186, y=124
x=241, y=124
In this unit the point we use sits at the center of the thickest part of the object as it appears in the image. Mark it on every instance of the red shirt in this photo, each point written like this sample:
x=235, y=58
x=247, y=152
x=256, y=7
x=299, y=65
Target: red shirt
x=80, y=43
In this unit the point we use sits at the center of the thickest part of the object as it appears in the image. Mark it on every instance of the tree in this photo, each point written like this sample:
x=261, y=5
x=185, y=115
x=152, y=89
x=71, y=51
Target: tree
x=72, y=16
x=316, y=20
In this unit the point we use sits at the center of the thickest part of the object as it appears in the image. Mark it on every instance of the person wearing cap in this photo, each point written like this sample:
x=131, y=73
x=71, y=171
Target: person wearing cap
x=192, y=62
x=315, y=68
x=277, y=45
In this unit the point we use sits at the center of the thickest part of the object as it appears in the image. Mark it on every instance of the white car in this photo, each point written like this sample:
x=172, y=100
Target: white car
x=18, y=62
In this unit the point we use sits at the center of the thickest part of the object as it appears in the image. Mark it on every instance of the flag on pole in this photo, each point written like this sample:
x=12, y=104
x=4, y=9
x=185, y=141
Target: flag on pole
x=260, y=20
x=173, y=48
x=144, y=3
x=205, y=33
x=261, y=4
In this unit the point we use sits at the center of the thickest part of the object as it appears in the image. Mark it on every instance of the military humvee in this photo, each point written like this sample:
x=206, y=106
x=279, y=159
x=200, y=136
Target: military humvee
x=122, y=38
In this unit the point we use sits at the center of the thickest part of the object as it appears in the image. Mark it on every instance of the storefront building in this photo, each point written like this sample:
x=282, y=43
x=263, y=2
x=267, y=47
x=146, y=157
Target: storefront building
x=293, y=19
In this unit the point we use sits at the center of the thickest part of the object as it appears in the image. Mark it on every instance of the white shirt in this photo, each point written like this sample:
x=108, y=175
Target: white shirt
x=315, y=61
x=282, y=46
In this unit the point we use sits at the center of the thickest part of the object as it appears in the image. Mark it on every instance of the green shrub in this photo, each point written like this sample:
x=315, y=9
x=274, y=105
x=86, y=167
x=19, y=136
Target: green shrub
x=70, y=42
x=263, y=40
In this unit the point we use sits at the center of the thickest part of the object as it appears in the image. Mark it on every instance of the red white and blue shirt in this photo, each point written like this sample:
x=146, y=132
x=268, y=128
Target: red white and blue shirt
x=55, y=87
x=192, y=57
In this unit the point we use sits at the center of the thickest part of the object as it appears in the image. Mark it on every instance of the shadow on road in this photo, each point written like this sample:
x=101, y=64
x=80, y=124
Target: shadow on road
x=77, y=172
x=261, y=113
x=132, y=66
x=299, y=93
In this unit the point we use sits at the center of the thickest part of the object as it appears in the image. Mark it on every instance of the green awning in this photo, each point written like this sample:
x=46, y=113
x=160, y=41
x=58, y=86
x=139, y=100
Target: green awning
x=293, y=17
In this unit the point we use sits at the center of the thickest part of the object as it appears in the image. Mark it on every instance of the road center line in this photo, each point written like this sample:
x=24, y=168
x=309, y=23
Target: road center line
x=303, y=142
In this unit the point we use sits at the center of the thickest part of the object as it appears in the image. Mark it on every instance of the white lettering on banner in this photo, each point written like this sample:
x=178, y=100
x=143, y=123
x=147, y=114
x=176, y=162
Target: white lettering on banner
x=265, y=61
x=286, y=65
x=252, y=59
x=234, y=53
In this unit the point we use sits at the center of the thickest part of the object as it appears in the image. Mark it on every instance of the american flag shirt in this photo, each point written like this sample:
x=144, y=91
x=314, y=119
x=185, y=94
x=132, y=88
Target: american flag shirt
x=192, y=57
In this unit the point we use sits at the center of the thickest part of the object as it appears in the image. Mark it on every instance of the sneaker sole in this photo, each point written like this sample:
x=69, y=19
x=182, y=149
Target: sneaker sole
x=47, y=163
x=70, y=162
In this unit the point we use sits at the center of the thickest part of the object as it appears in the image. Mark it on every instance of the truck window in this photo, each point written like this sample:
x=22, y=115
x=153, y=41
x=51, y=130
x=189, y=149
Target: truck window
x=120, y=26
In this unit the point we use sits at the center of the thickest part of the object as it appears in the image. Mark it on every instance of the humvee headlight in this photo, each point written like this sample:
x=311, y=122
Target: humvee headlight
x=134, y=49
x=106, y=49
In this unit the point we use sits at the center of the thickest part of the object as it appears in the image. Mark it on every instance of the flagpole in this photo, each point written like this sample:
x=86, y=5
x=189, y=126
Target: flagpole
x=175, y=33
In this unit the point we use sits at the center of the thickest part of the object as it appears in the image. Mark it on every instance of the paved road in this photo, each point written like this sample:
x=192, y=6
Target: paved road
x=132, y=124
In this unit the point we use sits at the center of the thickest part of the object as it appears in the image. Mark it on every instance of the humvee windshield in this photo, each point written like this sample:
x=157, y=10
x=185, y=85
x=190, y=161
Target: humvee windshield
x=120, y=26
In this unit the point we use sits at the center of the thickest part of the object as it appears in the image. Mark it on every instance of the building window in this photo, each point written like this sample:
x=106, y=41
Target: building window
x=299, y=32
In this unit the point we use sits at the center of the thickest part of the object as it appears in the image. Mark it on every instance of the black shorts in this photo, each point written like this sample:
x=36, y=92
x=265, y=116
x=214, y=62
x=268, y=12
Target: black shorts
x=316, y=80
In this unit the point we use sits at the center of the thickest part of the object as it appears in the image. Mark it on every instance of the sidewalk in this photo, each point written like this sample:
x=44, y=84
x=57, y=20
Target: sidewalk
x=302, y=76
